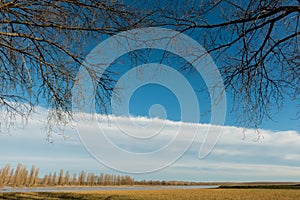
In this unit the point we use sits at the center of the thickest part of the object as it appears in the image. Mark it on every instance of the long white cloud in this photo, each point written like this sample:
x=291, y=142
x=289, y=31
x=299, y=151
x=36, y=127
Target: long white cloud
x=237, y=156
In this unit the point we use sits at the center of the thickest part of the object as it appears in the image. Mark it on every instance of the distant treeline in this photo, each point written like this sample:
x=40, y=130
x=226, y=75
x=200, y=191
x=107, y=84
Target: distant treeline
x=22, y=177
x=270, y=186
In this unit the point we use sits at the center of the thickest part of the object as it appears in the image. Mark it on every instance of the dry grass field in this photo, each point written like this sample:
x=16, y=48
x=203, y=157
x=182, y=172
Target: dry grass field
x=176, y=194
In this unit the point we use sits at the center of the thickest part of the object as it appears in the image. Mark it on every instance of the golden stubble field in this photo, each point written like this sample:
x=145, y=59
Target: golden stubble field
x=170, y=194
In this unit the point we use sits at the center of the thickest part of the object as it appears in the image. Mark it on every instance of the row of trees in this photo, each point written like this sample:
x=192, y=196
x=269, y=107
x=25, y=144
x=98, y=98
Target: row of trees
x=19, y=177
x=22, y=177
x=84, y=179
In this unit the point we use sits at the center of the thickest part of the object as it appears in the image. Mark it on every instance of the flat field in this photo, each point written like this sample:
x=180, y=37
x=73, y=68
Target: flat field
x=170, y=194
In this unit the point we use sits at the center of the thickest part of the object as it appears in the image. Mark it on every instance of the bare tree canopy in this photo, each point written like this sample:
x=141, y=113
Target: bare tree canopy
x=41, y=52
x=42, y=44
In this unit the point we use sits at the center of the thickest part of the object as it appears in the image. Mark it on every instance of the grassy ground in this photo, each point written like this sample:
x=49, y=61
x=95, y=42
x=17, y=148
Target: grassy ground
x=176, y=194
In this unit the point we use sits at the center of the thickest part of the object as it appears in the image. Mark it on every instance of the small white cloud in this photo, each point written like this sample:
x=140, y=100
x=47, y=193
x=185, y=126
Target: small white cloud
x=295, y=157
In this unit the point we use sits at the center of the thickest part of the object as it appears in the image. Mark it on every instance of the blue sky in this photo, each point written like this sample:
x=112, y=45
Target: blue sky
x=150, y=94
x=144, y=138
x=152, y=138
x=155, y=114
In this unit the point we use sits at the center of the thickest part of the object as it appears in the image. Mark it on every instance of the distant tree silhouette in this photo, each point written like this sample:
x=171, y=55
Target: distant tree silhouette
x=74, y=179
x=61, y=177
x=67, y=178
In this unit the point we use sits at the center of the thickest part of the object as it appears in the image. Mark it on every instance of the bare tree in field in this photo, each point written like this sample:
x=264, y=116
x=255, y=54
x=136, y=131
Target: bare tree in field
x=61, y=177
x=36, y=176
x=45, y=180
x=42, y=46
x=4, y=175
x=31, y=176
x=115, y=180
x=50, y=179
x=23, y=176
x=118, y=180
x=11, y=177
x=82, y=178
x=102, y=179
x=74, y=179
x=16, y=176
x=67, y=178
x=91, y=179
x=19, y=176
x=54, y=179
